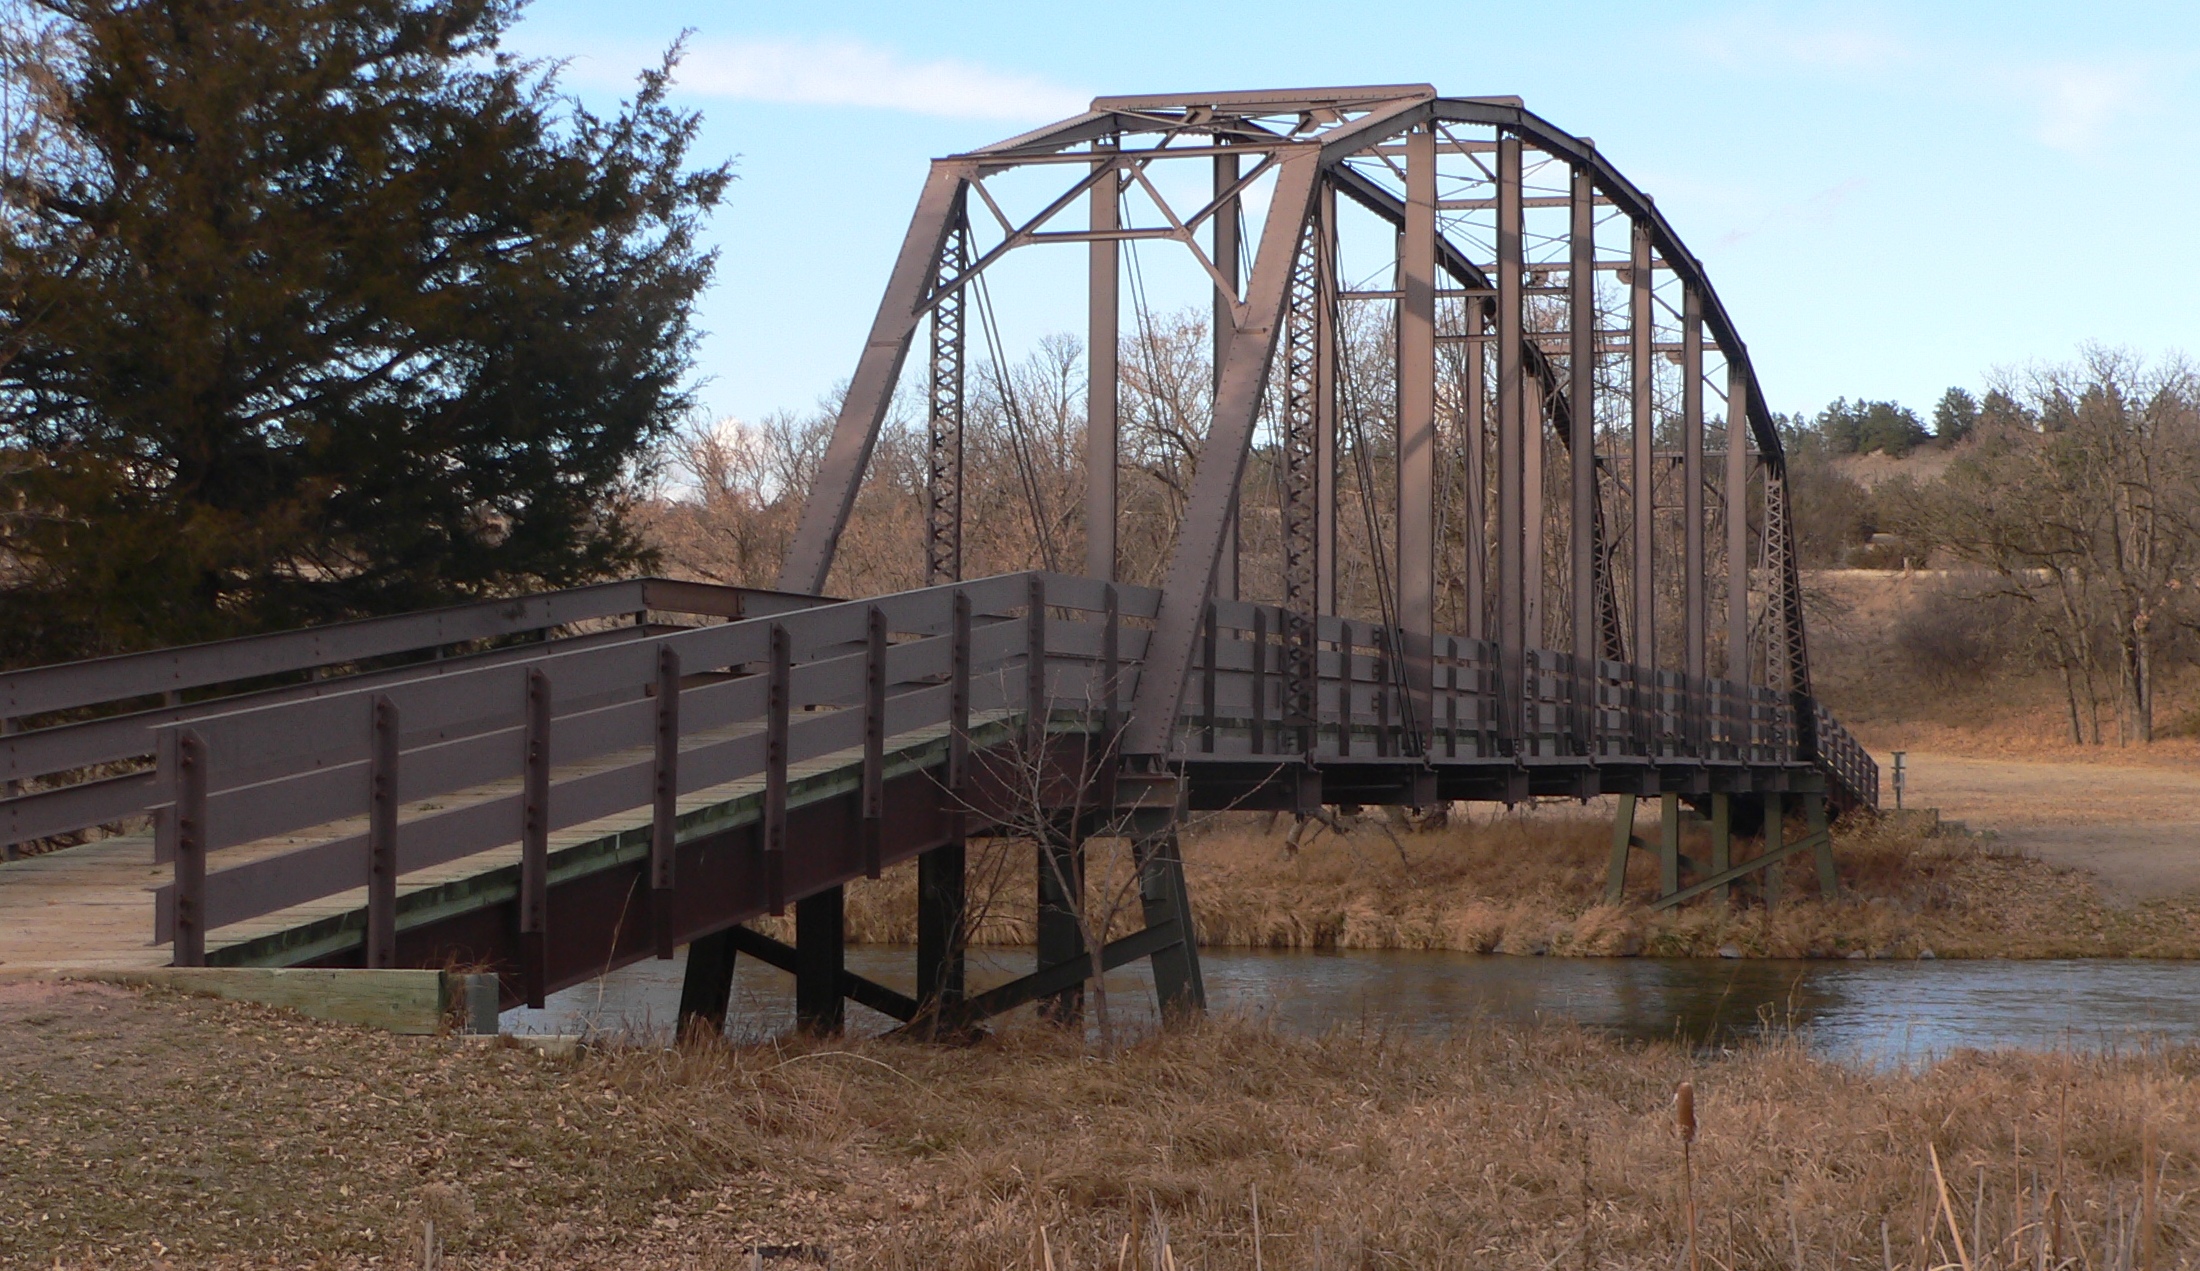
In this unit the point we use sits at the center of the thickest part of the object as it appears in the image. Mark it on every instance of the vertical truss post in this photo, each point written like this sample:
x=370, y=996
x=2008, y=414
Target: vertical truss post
x=1696, y=587
x=871, y=391
x=1416, y=523
x=1737, y=518
x=1783, y=577
x=664, y=822
x=1302, y=486
x=1474, y=435
x=1190, y=577
x=1581, y=388
x=1103, y=375
x=534, y=841
x=1641, y=342
x=1535, y=444
x=1512, y=526
x=1225, y=310
x=943, y=486
x=382, y=835
x=1326, y=348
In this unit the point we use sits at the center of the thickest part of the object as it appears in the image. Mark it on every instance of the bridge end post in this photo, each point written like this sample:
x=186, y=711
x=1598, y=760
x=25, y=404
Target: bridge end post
x=1722, y=841
x=940, y=936
x=1623, y=839
x=820, y=930
x=1061, y=903
x=1814, y=820
x=706, y=988
x=1775, y=838
x=1177, y=981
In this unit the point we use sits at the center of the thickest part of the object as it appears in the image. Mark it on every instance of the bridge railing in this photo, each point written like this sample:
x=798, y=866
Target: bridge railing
x=514, y=752
x=378, y=779
x=84, y=732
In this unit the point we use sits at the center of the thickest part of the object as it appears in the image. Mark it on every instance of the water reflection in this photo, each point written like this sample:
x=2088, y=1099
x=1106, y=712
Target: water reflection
x=1875, y=1012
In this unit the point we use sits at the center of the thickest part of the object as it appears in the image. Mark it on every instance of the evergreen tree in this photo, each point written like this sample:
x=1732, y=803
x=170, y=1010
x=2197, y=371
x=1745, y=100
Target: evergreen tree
x=1863, y=426
x=1955, y=416
x=322, y=308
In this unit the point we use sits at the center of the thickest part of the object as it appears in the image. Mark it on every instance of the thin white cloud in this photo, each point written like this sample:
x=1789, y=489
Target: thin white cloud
x=850, y=73
x=1818, y=209
x=1757, y=40
x=2080, y=103
x=2074, y=104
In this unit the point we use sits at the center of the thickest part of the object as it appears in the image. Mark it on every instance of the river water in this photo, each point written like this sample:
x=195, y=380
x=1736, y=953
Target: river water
x=1877, y=1012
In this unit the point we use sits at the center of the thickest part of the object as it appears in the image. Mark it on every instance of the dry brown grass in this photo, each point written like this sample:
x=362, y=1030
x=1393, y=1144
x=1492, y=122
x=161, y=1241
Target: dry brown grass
x=1532, y=882
x=146, y=1130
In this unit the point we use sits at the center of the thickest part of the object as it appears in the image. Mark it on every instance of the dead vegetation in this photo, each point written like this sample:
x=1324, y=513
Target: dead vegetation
x=1532, y=882
x=152, y=1130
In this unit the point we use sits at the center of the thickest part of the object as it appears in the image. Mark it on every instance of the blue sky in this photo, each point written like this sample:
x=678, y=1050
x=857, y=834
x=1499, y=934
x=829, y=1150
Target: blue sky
x=1890, y=199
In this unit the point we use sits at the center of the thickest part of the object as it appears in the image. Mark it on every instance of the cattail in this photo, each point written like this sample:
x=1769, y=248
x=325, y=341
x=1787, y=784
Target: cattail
x=1684, y=1123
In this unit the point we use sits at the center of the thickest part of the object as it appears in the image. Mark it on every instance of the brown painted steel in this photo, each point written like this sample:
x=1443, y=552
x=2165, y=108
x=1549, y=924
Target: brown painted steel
x=1512, y=439
x=1416, y=444
x=1582, y=528
x=1103, y=380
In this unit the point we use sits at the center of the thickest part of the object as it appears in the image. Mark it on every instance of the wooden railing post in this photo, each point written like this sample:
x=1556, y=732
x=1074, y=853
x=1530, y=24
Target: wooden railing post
x=189, y=819
x=1344, y=689
x=874, y=741
x=1035, y=668
x=775, y=772
x=534, y=842
x=664, y=821
x=1260, y=681
x=958, y=700
x=382, y=833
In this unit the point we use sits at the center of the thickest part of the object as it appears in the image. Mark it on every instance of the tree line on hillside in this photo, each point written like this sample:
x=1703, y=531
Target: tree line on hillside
x=314, y=309
x=2067, y=504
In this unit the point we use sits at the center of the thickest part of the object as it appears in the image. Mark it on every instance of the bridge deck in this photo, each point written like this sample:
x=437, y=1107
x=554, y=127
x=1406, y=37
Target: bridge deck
x=92, y=906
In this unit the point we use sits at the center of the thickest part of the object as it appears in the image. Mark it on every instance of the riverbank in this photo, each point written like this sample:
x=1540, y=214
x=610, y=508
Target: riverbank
x=145, y=1129
x=1532, y=882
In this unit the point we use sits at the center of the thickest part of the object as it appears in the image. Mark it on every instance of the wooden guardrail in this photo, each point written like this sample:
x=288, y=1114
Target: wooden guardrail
x=83, y=732
x=535, y=746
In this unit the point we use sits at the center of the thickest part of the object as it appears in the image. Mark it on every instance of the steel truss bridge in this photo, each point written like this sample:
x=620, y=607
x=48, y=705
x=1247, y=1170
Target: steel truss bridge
x=564, y=783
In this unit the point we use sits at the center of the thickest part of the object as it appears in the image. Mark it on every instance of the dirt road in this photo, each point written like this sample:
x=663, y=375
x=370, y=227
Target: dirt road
x=2138, y=828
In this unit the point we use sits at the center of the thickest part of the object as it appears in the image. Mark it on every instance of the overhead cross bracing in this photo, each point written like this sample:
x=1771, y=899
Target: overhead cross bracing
x=1577, y=577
